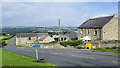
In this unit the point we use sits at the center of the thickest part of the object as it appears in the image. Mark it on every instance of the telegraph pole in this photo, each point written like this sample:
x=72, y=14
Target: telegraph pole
x=20, y=39
x=59, y=30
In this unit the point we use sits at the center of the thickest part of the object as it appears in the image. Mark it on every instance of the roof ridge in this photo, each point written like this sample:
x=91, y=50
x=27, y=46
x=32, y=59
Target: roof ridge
x=100, y=17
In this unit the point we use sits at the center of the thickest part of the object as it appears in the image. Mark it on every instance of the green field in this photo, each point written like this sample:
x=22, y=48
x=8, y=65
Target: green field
x=7, y=41
x=2, y=37
x=12, y=59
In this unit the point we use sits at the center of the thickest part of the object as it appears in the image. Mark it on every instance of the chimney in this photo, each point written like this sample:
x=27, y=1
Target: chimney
x=88, y=18
x=115, y=15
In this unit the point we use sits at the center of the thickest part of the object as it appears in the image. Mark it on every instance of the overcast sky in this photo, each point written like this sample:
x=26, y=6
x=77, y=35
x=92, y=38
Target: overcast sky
x=48, y=13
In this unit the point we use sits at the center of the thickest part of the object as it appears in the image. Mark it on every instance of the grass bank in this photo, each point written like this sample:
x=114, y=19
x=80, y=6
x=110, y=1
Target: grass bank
x=4, y=40
x=12, y=59
x=109, y=50
x=2, y=37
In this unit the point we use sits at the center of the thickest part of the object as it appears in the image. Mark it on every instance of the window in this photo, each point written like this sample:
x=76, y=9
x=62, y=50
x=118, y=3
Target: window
x=64, y=38
x=61, y=39
x=87, y=31
x=81, y=31
x=29, y=38
x=95, y=33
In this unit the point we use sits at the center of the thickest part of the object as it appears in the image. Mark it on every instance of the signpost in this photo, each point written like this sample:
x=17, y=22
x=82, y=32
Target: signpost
x=36, y=46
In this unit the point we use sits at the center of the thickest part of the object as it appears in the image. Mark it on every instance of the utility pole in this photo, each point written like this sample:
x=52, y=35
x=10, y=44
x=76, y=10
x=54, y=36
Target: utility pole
x=20, y=38
x=59, y=30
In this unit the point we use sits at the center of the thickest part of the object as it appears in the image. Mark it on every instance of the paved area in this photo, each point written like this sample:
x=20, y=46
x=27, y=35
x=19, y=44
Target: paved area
x=67, y=57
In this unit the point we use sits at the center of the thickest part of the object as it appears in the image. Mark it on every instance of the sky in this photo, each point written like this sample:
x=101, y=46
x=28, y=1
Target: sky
x=48, y=13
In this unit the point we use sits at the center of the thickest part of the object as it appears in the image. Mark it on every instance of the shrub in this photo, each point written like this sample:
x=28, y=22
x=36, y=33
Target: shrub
x=114, y=47
x=107, y=47
x=71, y=43
x=79, y=47
x=63, y=43
x=118, y=47
x=80, y=41
x=98, y=39
x=2, y=43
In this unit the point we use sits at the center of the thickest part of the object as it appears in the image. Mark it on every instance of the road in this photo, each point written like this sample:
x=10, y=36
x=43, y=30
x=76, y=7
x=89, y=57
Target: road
x=67, y=57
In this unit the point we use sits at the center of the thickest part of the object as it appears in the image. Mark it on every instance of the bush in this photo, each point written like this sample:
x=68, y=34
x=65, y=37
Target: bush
x=118, y=47
x=98, y=39
x=63, y=43
x=107, y=47
x=114, y=47
x=71, y=43
x=79, y=47
x=2, y=43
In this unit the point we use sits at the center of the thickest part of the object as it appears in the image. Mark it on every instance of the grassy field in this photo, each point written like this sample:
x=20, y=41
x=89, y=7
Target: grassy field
x=12, y=59
x=2, y=37
x=109, y=50
x=7, y=41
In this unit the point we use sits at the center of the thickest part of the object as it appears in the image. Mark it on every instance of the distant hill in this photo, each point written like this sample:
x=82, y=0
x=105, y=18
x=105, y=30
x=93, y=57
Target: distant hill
x=23, y=29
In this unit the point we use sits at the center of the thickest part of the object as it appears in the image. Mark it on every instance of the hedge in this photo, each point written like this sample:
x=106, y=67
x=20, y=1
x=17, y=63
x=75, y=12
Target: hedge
x=71, y=43
x=2, y=43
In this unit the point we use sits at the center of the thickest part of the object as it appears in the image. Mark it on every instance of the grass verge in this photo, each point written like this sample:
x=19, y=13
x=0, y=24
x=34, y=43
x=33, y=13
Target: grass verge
x=0, y=57
x=20, y=45
x=2, y=37
x=109, y=50
x=12, y=59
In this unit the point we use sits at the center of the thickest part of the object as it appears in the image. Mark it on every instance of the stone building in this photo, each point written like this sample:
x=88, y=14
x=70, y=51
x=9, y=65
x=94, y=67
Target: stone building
x=72, y=35
x=64, y=37
x=105, y=28
x=29, y=38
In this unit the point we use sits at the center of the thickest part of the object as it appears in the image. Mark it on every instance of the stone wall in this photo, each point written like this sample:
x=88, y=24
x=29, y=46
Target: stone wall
x=51, y=46
x=91, y=33
x=119, y=29
x=110, y=30
x=25, y=40
x=104, y=44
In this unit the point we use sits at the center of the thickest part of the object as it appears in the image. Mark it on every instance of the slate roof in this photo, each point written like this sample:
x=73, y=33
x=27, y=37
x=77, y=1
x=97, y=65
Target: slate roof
x=31, y=34
x=96, y=22
x=72, y=35
x=43, y=37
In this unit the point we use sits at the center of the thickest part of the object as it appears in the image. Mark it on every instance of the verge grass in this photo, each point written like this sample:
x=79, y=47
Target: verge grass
x=20, y=45
x=2, y=37
x=109, y=50
x=12, y=59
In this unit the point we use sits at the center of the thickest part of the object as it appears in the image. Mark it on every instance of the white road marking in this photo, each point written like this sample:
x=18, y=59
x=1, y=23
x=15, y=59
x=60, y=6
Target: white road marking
x=57, y=53
x=28, y=50
x=90, y=57
x=77, y=56
x=115, y=62
x=83, y=57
